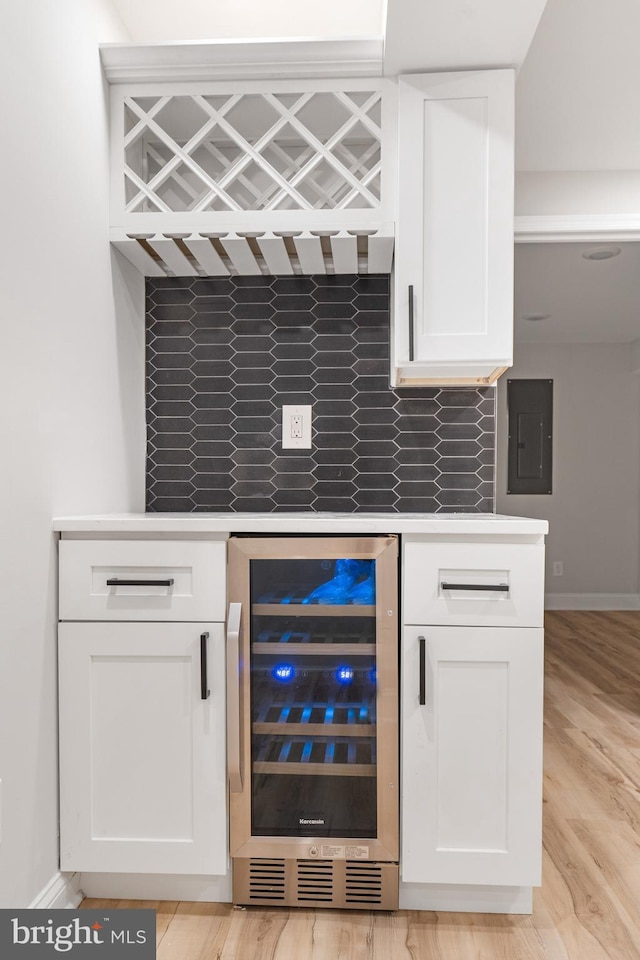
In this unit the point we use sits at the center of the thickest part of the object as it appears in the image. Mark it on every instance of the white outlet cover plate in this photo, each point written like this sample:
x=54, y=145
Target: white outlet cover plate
x=302, y=442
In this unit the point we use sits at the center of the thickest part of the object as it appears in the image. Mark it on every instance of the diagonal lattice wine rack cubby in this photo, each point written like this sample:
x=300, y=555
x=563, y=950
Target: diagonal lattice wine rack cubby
x=289, y=177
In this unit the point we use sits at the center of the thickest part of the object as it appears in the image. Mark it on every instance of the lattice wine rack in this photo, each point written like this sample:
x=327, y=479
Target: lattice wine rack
x=249, y=178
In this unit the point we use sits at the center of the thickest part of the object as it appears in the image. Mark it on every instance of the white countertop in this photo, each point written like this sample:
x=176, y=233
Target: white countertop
x=179, y=524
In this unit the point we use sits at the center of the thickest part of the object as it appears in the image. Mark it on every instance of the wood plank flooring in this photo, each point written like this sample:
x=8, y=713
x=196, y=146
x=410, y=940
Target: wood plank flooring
x=588, y=907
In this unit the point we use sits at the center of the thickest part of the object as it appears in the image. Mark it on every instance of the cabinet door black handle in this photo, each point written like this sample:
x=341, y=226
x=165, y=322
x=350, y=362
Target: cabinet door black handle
x=422, y=670
x=411, y=332
x=204, y=687
x=116, y=582
x=494, y=587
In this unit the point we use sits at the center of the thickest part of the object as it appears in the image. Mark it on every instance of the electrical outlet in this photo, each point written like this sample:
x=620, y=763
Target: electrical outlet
x=296, y=427
x=558, y=568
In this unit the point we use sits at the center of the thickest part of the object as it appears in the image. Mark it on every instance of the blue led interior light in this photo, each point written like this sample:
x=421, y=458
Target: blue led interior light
x=283, y=672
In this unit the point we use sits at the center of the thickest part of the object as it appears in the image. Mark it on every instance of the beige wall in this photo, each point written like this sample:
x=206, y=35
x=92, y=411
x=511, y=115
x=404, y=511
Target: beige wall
x=593, y=511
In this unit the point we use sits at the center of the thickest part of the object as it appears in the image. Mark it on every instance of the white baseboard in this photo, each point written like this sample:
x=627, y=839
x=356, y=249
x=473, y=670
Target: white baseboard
x=61, y=893
x=459, y=898
x=67, y=890
x=592, y=601
x=147, y=886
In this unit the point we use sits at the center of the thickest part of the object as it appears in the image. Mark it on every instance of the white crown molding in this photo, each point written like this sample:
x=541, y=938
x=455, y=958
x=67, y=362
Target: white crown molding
x=241, y=60
x=592, y=601
x=576, y=228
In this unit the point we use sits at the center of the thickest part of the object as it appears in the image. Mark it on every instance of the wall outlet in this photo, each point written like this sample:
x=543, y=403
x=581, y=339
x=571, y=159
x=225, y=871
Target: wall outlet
x=296, y=427
x=558, y=568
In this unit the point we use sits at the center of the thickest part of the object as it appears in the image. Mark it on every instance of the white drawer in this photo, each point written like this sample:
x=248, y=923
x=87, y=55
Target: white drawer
x=169, y=580
x=473, y=584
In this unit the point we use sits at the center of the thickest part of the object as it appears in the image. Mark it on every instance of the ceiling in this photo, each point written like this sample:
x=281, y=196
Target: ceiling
x=576, y=109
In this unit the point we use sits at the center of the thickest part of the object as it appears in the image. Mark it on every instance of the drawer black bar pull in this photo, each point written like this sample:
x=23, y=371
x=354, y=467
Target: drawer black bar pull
x=116, y=582
x=204, y=687
x=411, y=332
x=422, y=671
x=494, y=587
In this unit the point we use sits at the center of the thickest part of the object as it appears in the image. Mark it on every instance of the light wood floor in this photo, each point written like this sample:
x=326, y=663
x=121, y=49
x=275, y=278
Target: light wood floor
x=589, y=905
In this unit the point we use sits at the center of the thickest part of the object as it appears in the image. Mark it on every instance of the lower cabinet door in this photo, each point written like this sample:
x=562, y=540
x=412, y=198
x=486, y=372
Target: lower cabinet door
x=472, y=755
x=142, y=747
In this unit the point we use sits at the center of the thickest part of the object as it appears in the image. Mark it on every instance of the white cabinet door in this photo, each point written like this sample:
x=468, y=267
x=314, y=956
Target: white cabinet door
x=453, y=287
x=472, y=755
x=142, y=754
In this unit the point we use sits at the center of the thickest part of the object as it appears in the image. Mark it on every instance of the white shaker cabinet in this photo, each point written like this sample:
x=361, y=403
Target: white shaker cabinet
x=142, y=706
x=472, y=755
x=143, y=783
x=471, y=723
x=453, y=275
x=142, y=747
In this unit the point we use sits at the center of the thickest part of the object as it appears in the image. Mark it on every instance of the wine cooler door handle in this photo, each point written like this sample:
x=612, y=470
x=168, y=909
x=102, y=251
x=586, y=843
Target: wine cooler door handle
x=422, y=670
x=233, y=697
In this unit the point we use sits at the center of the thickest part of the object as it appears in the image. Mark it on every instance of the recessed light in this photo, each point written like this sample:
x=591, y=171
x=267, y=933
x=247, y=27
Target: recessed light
x=601, y=253
x=534, y=317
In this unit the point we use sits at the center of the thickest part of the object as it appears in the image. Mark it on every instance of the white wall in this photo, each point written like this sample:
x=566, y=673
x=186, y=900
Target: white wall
x=424, y=35
x=72, y=419
x=576, y=93
x=593, y=512
x=153, y=21
x=561, y=193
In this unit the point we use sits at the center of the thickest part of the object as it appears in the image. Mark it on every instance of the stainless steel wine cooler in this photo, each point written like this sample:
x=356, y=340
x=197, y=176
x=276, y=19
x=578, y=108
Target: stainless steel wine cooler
x=312, y=674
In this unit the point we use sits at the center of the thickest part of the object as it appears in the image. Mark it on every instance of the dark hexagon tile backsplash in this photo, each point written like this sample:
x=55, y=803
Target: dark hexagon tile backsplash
x=224, y=355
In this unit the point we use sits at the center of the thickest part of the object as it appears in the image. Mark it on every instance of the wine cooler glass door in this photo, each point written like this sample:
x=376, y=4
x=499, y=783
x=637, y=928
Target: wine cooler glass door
x=318, y=683
x=313, y=698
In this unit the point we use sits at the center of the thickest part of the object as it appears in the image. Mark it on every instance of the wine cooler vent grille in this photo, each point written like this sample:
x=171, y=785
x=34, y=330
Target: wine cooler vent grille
x=341, y=884
x=315, y=880
x=363, y=883
x=267, y=880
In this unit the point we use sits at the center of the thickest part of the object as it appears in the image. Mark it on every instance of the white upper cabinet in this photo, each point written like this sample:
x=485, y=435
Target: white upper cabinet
x=334, y=175
x=453, y=287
